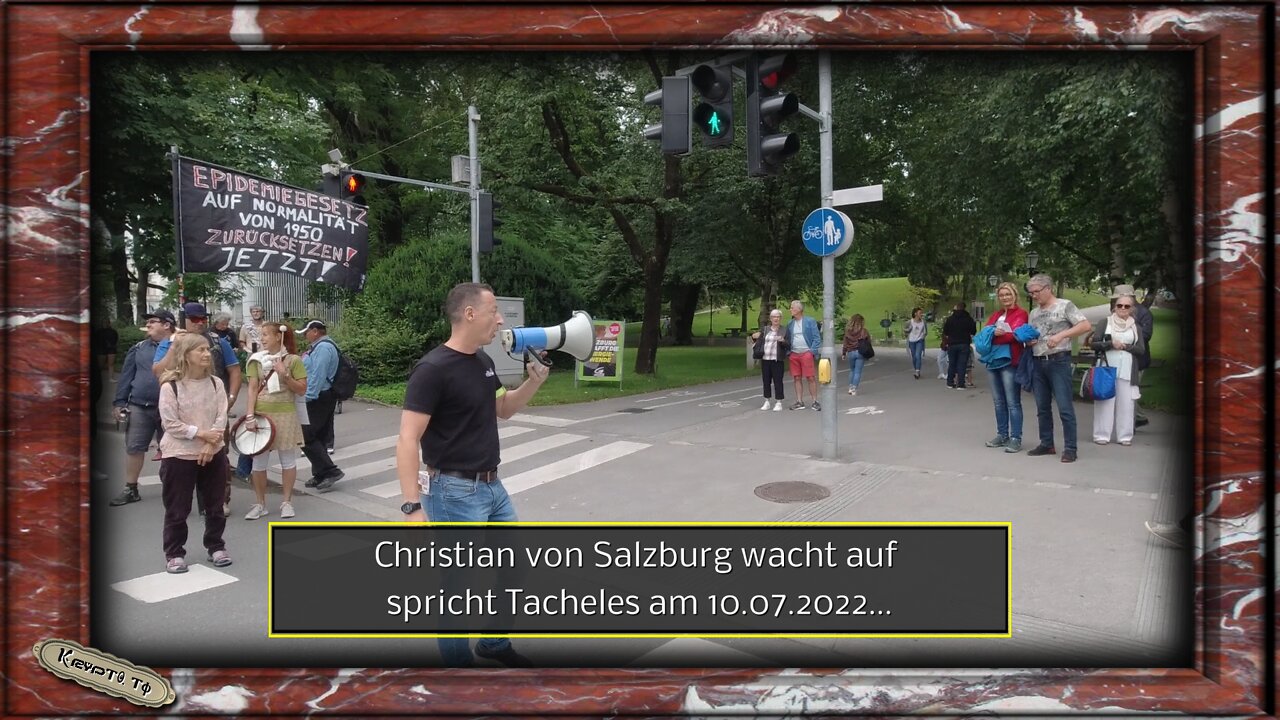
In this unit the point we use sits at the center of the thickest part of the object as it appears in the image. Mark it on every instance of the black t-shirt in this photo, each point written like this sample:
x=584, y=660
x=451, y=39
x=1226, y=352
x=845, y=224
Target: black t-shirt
x=459, y=391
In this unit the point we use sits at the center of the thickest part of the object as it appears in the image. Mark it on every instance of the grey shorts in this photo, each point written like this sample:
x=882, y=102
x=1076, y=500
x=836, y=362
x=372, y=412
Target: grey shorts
x=141, y=428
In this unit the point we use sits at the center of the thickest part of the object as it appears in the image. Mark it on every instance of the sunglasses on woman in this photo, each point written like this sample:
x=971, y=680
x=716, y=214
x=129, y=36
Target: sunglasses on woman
x=1121, y=305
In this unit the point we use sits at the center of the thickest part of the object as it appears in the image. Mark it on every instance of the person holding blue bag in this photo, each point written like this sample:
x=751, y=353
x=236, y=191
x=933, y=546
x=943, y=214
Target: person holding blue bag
x=1002, y=356
x=1121, y=341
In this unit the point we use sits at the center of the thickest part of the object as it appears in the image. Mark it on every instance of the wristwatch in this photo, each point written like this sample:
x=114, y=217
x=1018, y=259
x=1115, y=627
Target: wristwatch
x=410, y=508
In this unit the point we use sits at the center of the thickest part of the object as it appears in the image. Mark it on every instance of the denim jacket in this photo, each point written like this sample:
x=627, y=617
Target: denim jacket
x=812, y=335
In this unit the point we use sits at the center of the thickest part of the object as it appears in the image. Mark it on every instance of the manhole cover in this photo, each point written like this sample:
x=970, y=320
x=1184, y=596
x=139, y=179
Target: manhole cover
x=635, y=410
x=792, y=492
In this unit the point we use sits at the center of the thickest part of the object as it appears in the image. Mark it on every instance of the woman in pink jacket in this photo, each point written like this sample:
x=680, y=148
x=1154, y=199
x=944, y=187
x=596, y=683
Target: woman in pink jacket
x=193, y=412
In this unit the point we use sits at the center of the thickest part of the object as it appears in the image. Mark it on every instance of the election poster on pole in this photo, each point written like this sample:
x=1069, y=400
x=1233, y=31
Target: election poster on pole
x=230, y=221
x=605, y=363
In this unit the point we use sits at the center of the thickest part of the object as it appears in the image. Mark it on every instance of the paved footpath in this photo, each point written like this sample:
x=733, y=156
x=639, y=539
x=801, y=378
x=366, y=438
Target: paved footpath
x=1089, y=584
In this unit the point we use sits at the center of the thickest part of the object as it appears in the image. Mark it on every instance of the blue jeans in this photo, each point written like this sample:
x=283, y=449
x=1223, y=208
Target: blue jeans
x=244, y=465
x=855, y=368
x=917, y=353
x=1006, y=393
x=958, y=364
x=1051, y=381
x=455, y=499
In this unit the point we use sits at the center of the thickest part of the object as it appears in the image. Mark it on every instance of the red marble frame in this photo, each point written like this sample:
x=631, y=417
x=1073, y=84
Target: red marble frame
x=45, y=271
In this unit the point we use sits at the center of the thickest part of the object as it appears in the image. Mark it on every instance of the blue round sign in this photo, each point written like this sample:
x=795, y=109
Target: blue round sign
x=827, y=232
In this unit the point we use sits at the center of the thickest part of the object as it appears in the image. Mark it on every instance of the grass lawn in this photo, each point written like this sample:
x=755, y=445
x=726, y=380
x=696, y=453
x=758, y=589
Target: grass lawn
x=695, y=364
x=875, y=298
x=677, y=367
x=1161, y=388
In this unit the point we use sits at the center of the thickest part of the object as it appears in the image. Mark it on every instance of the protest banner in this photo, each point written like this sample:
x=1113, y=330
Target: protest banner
x=229, y=221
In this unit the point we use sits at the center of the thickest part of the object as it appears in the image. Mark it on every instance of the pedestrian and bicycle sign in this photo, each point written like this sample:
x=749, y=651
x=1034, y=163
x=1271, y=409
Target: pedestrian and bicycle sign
x=827, y=232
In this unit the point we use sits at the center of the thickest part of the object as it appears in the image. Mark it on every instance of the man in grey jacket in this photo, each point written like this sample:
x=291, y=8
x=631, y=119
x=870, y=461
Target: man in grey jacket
x=137, y=401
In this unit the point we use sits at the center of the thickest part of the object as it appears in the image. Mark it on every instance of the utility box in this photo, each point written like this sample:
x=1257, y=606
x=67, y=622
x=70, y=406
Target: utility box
x=510, y=370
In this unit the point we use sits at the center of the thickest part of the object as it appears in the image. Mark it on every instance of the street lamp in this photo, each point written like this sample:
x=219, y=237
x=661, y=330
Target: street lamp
x=992, y=280
x=1032, y=259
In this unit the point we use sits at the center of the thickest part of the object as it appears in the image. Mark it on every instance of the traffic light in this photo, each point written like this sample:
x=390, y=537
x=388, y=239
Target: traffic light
x=488, y=223
x=673, y=131
x=330, y=183
x=351, y=187
x=714, y=115
x=767, y=107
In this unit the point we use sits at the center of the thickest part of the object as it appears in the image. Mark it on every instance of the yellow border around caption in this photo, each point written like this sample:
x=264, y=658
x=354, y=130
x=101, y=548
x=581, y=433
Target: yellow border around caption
x=977, y=523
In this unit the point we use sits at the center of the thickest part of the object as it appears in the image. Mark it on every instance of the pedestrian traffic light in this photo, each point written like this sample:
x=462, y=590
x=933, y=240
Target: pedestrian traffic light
x=351, y=187
x=673, y=131
x=767, y=107
x=488, y=223
x=714, y=115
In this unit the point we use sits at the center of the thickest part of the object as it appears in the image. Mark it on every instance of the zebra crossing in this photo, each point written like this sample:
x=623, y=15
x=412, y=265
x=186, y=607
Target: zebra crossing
x=534, y=453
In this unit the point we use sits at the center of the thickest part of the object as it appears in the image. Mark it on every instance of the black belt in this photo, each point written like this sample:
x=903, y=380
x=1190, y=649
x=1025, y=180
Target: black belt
x=141, y=405
x=484, y=476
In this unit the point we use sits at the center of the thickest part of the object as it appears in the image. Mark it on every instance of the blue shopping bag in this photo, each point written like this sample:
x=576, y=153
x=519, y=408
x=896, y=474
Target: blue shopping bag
x=1099, y=381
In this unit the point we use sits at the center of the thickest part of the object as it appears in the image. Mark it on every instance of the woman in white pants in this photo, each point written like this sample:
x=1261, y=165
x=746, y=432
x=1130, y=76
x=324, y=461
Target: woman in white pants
x=1121, y=340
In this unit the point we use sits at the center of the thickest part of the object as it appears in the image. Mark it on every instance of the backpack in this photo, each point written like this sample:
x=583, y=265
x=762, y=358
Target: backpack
x=346, y=377
x=219, y=366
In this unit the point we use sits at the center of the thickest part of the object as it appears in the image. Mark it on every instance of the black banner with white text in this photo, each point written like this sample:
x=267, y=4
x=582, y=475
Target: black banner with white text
x=229, y=221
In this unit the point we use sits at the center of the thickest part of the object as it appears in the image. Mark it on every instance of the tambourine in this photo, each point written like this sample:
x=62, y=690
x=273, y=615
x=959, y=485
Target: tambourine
x=253, y=442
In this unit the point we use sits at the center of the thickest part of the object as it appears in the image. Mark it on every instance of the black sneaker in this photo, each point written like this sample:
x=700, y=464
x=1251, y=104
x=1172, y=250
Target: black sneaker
x=507, y=656
x=129, y=495
x=1139, y=421
x=1068, y=456
x=326, y=484
x=1042, y=450
x=311, y=482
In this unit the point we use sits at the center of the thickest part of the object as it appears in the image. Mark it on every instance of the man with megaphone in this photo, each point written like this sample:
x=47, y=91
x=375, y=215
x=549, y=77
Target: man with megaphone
x=451, y=409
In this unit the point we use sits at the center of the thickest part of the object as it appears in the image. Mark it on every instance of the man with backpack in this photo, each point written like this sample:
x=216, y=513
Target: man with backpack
x=225, y=366
x=326, y=376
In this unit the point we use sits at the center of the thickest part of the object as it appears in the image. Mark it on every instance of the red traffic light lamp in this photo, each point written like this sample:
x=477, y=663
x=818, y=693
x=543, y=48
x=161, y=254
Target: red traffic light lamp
x=352, y=187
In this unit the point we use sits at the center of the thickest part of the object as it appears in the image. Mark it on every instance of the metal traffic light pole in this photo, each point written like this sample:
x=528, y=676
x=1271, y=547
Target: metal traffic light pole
x=829, y=417
x=473, y=122
x=473, y=119
x=830, y=198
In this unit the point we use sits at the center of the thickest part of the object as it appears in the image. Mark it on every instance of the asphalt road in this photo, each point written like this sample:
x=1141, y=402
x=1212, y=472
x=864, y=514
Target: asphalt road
x=1089, y=585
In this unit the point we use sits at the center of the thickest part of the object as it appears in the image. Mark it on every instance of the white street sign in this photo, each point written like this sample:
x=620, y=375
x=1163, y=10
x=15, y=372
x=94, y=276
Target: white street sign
x=857, y=196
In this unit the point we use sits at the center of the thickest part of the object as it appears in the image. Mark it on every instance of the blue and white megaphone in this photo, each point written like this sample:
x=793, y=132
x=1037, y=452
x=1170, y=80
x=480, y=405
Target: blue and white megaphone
x=574, y=337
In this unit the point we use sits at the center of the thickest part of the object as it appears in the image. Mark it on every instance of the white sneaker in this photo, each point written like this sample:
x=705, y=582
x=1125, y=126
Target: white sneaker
x=286, y=509
x=766, y=405
x=255, y=512
x=777, y=407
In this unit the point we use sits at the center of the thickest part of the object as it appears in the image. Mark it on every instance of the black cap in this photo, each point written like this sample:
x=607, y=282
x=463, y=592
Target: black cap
x=161, y=315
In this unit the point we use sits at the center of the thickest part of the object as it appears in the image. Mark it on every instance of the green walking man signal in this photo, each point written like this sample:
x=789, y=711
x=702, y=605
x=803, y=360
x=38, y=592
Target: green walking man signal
x=714, y=115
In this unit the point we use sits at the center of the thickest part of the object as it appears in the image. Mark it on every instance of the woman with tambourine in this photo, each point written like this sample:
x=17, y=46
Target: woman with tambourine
x=277, y=378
